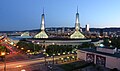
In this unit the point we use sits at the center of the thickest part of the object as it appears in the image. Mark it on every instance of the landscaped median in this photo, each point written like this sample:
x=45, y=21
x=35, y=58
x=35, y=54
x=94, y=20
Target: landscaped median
x=75, y=65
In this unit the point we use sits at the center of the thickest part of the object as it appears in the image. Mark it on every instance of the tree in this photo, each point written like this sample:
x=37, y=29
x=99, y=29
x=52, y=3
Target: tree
x=115, y=41
x=55, y=49
x=28, y=46
x=106, y=42
x=2, y=48
x=86, y=45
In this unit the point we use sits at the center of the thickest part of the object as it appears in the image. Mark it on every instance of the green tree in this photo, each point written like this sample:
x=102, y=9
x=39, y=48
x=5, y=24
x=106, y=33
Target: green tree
x=55, y=49
x=106, y=42
x=115, y=41
x=28, y=46
x=86, y=45
x=2, y=48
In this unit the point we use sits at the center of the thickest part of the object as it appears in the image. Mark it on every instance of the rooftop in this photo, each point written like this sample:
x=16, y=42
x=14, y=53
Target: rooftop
x=93, y=50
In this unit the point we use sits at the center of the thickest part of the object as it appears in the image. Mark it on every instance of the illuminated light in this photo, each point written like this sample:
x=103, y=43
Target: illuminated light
x=17, y=46
x=63, y=52
x=11, y=43
x=68, y=33
x=37, y=52
x=100, y=36
x=61, y=58
x=44, y=50
x=38, y=43
x=8, y=53
x=53, y=43
x=28, y=50
x=33, y=41
x=72, y=51
x=22, y=48
x=2, y=53
x=101, y=45
x=14, y=44
x=73, y=57
x=42, y=34
x=68, y=57
x=53, y=54
x=58, y=53
x=47, y=55
x=18, y=66
x=77, y=34
x=109, y=41
x=30, y=53
x=5, y=40
x=68, y=52
x=23, y=70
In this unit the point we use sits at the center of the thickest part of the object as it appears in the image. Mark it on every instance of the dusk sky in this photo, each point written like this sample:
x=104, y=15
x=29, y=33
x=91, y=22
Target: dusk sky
x=26, y=14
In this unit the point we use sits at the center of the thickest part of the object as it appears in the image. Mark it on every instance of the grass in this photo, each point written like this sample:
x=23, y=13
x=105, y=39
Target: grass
x=74, y=65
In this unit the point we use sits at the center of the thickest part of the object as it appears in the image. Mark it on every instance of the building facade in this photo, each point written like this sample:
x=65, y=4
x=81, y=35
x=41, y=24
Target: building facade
x=101, y=56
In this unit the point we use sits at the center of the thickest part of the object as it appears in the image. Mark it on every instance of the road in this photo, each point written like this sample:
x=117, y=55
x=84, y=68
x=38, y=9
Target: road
x=18, y=61
x=26, y=63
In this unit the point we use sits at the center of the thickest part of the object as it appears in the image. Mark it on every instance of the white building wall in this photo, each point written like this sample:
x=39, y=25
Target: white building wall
x=106, y=50
x=112, y=62
x=81, y=55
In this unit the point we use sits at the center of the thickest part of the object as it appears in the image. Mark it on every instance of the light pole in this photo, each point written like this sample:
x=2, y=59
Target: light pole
x=53, y=54
x=4, y=58
x=45, y=56
x=44, y=47
x=33, y=45
x=53, y=59
x=5, y=63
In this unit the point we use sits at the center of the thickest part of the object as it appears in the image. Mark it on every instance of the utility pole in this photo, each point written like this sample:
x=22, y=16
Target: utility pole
x=3, y=54
x=53, y=54
x=4, y=63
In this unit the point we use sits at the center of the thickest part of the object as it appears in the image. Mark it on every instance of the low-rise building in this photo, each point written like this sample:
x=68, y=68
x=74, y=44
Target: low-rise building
x=107, y=57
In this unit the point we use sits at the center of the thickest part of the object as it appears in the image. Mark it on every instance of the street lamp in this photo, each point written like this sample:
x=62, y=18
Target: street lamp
x=44, y=51
x=53, y=59
x=17, y=46
x=58, y=53
x=38, y=43
x=22, y=48
x=28, y=51
x=53, y=54
x=33, y=45
x=3, y=54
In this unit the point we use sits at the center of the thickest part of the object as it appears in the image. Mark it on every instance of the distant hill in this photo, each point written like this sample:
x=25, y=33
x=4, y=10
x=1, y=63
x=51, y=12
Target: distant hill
x=91, y=29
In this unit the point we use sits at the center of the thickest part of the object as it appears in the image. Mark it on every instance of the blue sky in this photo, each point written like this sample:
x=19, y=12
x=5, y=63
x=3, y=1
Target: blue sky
x=26, y=14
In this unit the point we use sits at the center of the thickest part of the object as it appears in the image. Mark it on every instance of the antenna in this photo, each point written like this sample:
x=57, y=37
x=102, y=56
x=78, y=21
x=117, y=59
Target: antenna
x=43, y=10
x=77, y=9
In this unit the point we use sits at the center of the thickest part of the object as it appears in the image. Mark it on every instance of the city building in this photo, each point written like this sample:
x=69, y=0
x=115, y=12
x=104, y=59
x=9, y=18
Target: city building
x=75, y=39
x=77, y=33
x=106, y=57
x=87, y=28
x=42, y=33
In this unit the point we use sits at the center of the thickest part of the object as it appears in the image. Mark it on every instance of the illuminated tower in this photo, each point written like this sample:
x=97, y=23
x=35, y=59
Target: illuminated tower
x=87, y=28
x=43, y=22
x=77, y=34
x=42, y=33
x=77, y=24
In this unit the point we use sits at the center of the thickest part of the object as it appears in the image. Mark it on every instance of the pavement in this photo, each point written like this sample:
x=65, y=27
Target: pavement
x=16, y=62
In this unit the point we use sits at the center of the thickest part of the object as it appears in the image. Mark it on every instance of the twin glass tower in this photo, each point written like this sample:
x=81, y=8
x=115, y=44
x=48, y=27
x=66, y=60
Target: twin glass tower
x=42, y=33
x=76, y=35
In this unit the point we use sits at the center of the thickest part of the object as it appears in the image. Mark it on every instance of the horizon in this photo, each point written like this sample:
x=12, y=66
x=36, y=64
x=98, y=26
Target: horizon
x=59, y=27
x=26, y=15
